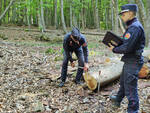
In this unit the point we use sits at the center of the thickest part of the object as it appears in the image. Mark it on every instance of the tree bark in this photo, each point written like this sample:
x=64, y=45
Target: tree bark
x=0, y=11
x=112, y=15
x=42, y=16
x=131, y=1
x=121, y=26
x=62, y=17
x=115, y=16
x=96, y=15
x=56, y=24
x=71, y=13
x=110, y=72
x=143, y=18
x=3, y=14
x=148, y=20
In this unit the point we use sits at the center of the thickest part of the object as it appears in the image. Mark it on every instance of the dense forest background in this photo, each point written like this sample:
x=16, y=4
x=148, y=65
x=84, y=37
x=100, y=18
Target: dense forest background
x=64, y=14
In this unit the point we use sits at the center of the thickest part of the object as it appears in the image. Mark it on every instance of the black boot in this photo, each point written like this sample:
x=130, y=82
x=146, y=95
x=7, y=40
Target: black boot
x=61, y=84
x=115, y=101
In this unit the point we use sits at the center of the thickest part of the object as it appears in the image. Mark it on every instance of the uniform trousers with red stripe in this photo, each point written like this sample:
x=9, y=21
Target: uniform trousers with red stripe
x=129, y=85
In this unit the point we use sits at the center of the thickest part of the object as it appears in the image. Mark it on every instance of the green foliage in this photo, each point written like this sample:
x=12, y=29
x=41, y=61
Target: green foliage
x=30, y=9
x=2, y=36
x=62, y=50
x=50, y=51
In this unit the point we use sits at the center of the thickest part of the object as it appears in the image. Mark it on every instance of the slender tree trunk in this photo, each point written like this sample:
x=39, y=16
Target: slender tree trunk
x=3, y=14
x=115, y=16
x=62, y=17
x=83, y=15
x=99, y=10
x=112, y=16
x=42, y=15
x=148, y=20
x=56, y=24
x=143, y=18
x=106, y=18
x=121, y=26
x=71, y=14
x=0, y=10
x=96, y=15
x=40, y=22
x=131, y=1
x=28, y=15
x=46, y=15
x=13, y=18
x=4, y=19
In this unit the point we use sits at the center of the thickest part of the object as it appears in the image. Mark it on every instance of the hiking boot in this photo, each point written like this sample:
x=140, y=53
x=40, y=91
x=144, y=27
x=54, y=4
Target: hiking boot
x=61, y=84
x=115, y=101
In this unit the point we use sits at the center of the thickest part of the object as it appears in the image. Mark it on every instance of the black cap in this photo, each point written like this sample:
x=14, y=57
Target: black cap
x=75, y=33
x=129, y=7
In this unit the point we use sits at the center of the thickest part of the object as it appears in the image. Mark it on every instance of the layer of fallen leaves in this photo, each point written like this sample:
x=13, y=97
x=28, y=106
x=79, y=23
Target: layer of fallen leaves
x=28, y=83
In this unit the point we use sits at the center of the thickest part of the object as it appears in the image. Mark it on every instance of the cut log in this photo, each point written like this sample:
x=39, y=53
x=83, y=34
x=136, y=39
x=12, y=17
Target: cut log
x=144, y=71
x=111, y=71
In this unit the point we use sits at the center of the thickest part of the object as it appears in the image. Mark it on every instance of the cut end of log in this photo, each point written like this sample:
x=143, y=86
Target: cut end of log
x=90, y=81
x=144, y=71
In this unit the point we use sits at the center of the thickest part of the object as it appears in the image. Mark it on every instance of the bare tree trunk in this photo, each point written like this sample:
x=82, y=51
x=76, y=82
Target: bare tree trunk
x=13, y=18
x=62, y=17
x=106, y=18
x=131, y=1
x=71, y=13
x=40, y=22
x=56, y=24
x=0, y=11
x=148, y=20
x=121, y=26
x=82, y=14
x=96, y=15
x=3, y=14
x=143, y=18
x=115, y=2
x=42, y=15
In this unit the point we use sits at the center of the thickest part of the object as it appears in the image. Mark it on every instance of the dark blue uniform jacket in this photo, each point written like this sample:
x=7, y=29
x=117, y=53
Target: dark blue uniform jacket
x=133, y=42
x=69, y=46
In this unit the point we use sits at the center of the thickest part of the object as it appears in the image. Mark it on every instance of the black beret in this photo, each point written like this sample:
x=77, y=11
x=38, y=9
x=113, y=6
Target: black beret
x=129, y=7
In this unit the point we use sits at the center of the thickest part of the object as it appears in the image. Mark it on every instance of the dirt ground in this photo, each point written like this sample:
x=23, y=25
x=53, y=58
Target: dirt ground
x=29, y=69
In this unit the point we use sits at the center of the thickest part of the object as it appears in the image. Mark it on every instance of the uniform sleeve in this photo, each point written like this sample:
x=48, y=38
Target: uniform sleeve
x=85, y=50
x=65, y=46
x=130, y=39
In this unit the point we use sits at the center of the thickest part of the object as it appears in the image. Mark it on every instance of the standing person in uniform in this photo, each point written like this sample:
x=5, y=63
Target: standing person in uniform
x=132, y=48
x=74, y=42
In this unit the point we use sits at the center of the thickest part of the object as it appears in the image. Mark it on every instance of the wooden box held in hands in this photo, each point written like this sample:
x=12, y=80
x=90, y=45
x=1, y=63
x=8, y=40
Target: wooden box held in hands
x=112, y=38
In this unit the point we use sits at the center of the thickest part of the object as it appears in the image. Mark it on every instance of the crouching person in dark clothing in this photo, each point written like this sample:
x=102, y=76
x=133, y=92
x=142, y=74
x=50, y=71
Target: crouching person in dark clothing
x=132, y=48
x=74, y=42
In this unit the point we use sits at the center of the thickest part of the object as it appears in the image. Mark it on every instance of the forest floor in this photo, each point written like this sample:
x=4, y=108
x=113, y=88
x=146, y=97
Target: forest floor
x=29, y=68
